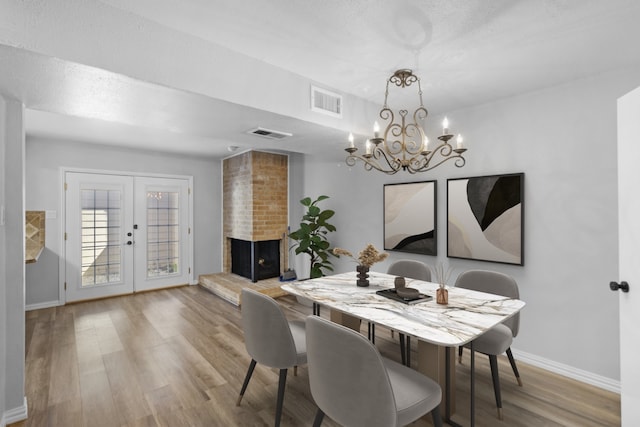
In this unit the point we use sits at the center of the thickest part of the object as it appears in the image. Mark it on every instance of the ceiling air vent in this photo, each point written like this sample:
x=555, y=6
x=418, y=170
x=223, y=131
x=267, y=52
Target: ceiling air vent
x=325, y=102
x=268, y=133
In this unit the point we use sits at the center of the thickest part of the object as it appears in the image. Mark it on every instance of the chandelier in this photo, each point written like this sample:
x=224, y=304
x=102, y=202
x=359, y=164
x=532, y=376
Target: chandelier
x=404, y=144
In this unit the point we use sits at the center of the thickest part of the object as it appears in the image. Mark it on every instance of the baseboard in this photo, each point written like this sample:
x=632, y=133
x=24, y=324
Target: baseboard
x=569, y=371
x=38, y=306
x=16, y=414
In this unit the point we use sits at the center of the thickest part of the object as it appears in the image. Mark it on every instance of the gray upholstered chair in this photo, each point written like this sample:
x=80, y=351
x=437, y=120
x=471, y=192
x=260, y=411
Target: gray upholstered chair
x=413, y=270
x=355, y=386
x=498, y=339
x=271, y=340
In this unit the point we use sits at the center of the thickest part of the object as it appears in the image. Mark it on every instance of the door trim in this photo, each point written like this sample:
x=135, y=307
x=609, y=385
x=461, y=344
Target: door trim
x=62, y=298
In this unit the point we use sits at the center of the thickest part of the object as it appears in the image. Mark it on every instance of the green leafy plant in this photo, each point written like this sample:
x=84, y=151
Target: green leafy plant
x=311, y=237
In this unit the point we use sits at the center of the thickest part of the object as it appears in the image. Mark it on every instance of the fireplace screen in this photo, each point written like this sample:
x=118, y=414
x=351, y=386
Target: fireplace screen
x=255, y=260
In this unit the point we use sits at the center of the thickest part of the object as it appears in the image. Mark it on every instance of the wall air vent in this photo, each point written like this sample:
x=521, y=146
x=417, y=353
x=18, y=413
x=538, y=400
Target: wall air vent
x=325, y=102
x=268, y=133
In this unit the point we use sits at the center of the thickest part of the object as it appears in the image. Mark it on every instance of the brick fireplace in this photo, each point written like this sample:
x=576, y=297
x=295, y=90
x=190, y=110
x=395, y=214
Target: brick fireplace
x=255, y=211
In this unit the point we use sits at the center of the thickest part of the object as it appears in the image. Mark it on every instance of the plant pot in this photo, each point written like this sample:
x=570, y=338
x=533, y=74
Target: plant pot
x=442, y=296
x=363, y=276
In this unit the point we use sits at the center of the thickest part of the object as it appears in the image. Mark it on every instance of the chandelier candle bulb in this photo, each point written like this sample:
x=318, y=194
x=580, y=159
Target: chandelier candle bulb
x=367, y=146
x=459, y=141
x=376, y=130
x=445, y=126
x=351, y=140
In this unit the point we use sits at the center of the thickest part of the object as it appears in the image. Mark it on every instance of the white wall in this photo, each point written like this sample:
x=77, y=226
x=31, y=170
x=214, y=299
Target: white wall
x=43, y=161
x=563, y=139
x=12, y=325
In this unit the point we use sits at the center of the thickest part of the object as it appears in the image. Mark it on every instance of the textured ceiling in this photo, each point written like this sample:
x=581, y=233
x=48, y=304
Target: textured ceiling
x=467, y=52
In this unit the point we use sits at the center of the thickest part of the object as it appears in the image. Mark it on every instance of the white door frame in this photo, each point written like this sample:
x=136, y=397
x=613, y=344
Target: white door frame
x=62, y=259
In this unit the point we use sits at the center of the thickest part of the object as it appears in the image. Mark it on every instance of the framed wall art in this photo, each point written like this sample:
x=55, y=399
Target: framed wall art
x=410, y=217
x=485, y=218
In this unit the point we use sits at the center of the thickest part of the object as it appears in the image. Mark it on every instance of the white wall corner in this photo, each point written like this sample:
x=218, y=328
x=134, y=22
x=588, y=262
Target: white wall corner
x=46, y=304
x=569, y=371
x=16, y=414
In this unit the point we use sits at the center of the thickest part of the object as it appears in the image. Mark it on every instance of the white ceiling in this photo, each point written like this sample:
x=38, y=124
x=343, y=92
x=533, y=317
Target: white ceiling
x=467, y=52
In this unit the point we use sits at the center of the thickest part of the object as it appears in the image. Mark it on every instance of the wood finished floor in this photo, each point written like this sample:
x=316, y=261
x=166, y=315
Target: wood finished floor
x=176, y=357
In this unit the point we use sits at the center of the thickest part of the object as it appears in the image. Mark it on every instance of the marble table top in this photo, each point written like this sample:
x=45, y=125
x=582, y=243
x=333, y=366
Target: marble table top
x=468, y=314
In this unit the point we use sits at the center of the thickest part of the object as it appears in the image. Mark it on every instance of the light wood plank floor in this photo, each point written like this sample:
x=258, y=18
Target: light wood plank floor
x=176, y=358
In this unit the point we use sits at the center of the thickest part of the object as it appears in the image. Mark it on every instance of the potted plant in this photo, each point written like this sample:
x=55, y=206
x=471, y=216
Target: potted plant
x=311, y=237
x=366, y=258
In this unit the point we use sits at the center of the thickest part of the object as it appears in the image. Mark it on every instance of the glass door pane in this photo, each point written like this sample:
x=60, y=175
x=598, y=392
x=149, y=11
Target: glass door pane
x=100, y=244
x=163, y=233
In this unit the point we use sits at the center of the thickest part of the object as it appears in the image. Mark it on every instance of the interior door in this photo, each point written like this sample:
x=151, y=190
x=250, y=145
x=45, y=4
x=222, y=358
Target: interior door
x=98, y=235
x=161, y=230
x=629, y=253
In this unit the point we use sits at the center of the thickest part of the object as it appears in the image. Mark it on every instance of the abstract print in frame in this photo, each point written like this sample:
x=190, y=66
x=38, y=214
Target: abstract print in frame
x=485, y=218
x=410, y=217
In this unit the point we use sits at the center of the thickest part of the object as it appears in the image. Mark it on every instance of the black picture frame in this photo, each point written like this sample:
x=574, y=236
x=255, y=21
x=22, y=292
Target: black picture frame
x=485, y=218
x=410, y=222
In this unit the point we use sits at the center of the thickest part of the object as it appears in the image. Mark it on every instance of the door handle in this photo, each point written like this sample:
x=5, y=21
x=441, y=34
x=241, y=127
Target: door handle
x=623, y=286
x=129, y=242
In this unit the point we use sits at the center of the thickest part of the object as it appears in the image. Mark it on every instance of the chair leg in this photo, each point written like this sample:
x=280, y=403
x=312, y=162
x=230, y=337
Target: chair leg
x=460, y=349
x=493, y=361
x=279, y=404
x=437, y=418
x=408, y=351
x=513, y=366
x=403, y=355
x=295, y=371
x=318, y=419
x=252, y=366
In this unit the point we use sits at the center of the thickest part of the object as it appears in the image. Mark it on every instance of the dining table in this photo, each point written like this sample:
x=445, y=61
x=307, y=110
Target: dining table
x=438, y=328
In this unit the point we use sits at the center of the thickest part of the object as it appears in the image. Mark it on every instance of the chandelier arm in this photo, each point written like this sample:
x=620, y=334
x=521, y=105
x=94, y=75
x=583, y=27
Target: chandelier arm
x=444, y=151
x=391, y=161
x=459, y=162
x=371, y=163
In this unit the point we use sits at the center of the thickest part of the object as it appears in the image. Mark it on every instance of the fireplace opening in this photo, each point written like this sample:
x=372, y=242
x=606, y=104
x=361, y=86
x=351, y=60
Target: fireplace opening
x=255, y=260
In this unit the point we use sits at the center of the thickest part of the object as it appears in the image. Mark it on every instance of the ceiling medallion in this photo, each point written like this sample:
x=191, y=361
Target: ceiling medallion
x=404, y=145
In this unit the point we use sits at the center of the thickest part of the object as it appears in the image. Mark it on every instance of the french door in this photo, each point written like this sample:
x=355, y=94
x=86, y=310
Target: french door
x=124, y=234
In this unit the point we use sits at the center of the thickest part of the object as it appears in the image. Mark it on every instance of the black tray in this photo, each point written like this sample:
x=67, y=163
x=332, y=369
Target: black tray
x=391, y=294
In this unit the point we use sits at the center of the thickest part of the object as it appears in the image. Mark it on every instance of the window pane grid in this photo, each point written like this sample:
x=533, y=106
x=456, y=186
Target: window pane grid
x=100, y=231
x=163, y=238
